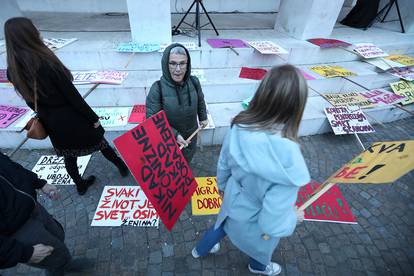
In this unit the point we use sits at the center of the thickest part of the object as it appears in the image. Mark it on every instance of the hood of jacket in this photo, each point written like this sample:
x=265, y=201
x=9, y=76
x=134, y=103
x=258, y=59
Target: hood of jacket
x=166, y=75
x=269, y=156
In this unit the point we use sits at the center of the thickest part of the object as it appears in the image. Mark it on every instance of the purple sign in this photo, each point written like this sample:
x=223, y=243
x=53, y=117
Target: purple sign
x=3, y=75
x=306, y=75
x=9, y=114
x=226, y=43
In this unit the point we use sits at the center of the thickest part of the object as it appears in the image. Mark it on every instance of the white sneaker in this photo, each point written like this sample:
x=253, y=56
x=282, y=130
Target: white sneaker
x=271, y=269
x=213, y=250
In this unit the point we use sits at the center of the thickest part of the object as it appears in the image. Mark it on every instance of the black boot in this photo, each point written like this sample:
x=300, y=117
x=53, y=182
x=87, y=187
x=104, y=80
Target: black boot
x=122, y=167
x=110, y=154
x=83, y=185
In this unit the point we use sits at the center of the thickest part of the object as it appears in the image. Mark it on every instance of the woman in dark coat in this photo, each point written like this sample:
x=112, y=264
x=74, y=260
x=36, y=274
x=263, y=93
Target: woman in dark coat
x=39, y=76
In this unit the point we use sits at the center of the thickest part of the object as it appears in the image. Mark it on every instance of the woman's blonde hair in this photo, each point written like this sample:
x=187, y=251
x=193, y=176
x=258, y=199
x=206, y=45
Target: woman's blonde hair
x=279, y=101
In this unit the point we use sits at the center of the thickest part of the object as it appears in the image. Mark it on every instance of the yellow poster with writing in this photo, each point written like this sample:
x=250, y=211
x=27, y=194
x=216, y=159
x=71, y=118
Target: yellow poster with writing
x=404, y=88
x=382, y=162
x=347, y=99
x=402, y=59
x=329, y=71
x=206, y=199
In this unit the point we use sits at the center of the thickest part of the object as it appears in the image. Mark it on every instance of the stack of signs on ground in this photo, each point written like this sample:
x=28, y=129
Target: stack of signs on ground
x=190, y=46
x=348, y=99
x=267, y=47
x=329, y=71
x=206, y=200
x=112, y=116
x=369, y=50
x=9, y=114
x=125, y=205
x=404, y=73
x=105, y=77
x=404, y=60
x=252, y=73
x=325, y=43
x=381, y=97
x=209, y=118
x=404, y=88
x=3, y=76
x=57, y=43
x=138, y=114
x=52, y=169
x=348, y=120
x=330, y=207
x=226, y=43
x=133, y=47
x=157, y=164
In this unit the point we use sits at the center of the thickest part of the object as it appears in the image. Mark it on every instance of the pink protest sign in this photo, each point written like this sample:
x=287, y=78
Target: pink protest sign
x=404, y=73
x=382, y=97
x=325, y=43
x=306, y=75
x=9, y=114
x=3, y=75
x=226, y=43
x=110, y=77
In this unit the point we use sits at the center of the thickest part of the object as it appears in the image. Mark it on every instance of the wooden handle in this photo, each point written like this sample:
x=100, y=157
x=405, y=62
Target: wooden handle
x=322, y=189
x=191, y=136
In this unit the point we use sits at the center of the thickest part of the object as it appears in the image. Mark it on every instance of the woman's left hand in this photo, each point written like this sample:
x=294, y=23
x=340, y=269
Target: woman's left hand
x=97, y=124
x=300, y=215
x=51, y=191
x=204, y=123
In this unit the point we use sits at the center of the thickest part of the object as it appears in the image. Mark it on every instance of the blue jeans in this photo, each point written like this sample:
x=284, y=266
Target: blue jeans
x=213, y=236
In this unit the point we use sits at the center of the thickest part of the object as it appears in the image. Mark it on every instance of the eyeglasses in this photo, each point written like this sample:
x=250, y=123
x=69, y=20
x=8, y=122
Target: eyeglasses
x=174, y=65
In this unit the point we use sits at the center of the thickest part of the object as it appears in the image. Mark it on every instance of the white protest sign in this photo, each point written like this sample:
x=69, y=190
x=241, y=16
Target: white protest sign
x=110, y=77
x=112, y=116
x=83, y=77
x=133, y=47
x=383, y=65
x=267, y=47
x=52, y=169
x=125, y=205
x=382, y=97
x=403, y=73
x=57, y=43
x=210, y=120
x=369, y=50
x=22, y=122
x=347, y=120
x=190, y=46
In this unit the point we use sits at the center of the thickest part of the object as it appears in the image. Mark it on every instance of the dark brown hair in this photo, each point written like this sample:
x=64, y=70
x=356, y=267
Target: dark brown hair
x=26, y=52
x=278, y=102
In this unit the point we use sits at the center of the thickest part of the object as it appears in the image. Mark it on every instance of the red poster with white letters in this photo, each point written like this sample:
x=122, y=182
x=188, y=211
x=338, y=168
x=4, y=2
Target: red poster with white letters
x=157, y=164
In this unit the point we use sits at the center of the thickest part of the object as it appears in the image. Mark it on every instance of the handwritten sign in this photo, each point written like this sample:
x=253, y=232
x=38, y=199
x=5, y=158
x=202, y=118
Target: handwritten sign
x=105, y=77
x=369, y=50
x=190, y=46
x=402, y=59
x=246, y=102
x=157, y=164
x=57, y=43
x=405, y=89
x=112, y=116
x=382, y=162
x=267, y=47
x=133, y=47
x=325, y=43
x=125, y=206
x=3, y=76
x=9, y=114
x=206, y=200
x=252, y=73
x=347, y=120
x=211, y=124
x=348, y=99
x=403, y=73
x=137, y=114
x=52, y=169
x=83, y=77
x=330, y=207
x=381, y=97
x=226, y=43
x=329, y=71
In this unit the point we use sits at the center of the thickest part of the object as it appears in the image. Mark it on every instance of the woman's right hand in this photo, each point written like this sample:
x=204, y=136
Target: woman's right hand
x=97, y=124
x=40, y=251
x=181, y=141
x=300, y=215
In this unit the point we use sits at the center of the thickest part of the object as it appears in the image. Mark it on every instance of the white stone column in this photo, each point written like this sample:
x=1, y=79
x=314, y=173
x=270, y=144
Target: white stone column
x=150, y=21
x=305, y=19
x=9, y=9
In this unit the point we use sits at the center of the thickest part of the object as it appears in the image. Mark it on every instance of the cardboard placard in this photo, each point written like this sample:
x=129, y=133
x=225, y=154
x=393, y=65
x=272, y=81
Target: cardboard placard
x=381, y=97
x=52, y=169
x=190, y=46
x=133, y=47
x=57, y=43
x=383, y=64
x=110, y=77
x=125, y=206
x=138, y=114
x=405, y=89
x=330, y=207
x=382, y=162
x=348, y=120
x=329, y=71
x=83, y=77
x=306, y=75
x=206, y=200
x=348, y=99
x=325, y=43
x=267, y=47
x=157, y=164
x=252, y=73
x=3, y=76
x=369, y=50
x=9, y=114
x=404, y=60
x=112, y=116
x=404, y=73
x=226, y=43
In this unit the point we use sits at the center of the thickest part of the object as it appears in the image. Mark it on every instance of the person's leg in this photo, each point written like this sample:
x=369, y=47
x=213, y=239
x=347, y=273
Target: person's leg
x=256, y=265
x=211, y=237
x=71, y=166
x=111, y=155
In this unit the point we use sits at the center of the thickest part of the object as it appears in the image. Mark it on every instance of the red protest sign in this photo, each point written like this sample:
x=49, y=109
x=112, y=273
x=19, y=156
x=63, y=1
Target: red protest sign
x=157, y=164
x=252, y=73
x=328, y=43
x=138, y=114
x=330, y=207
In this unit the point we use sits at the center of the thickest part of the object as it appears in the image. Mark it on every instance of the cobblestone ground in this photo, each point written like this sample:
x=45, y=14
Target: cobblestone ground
x=382, y=243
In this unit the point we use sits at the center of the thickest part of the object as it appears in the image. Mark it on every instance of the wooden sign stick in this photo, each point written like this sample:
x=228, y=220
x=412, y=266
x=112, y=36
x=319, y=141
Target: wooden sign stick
x=232, y=48
x=129, y=60
x=191, y=136
x=318, y=193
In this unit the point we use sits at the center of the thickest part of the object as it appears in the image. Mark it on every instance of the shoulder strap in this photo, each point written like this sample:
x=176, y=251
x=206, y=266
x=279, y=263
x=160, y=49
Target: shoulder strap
x=194, y=84
x=160, y=89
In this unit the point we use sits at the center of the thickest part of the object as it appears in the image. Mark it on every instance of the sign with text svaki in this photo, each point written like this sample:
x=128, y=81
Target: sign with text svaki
x=206, y=200
x=382, y=162
x=157, y=164
x=348, y=120
x=330, y=207
x=125, y=205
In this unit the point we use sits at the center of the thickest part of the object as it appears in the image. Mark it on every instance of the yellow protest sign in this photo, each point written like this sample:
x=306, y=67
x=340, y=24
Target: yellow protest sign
x=347, y=99
x=206, y=199
x=402, y=59
x=404, y=88
x=382, y=162
x=329, y=71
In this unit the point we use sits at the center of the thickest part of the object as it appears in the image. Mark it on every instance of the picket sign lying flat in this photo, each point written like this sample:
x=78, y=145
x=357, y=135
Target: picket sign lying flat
x=112, y=116
x=348, y=120
x=404, y=88
x=329, y=71
x=328, y=43
x=9, y=114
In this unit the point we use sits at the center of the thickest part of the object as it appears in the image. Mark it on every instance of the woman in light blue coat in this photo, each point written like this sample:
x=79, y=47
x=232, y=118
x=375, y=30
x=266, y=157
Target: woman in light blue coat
x=259, y=172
